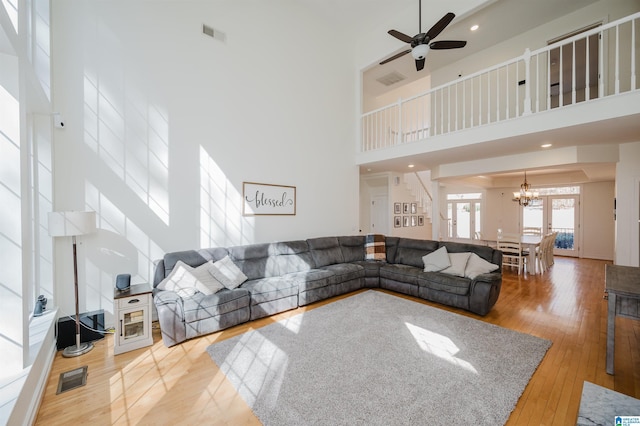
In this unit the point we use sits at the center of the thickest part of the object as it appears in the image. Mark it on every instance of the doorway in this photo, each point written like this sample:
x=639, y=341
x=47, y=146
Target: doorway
x=574, y=67
x=379, y=215
x=463, y=216
x=556, y=213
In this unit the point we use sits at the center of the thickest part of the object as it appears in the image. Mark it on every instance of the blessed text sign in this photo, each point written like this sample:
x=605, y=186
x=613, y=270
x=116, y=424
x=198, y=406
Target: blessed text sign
x=265, y=199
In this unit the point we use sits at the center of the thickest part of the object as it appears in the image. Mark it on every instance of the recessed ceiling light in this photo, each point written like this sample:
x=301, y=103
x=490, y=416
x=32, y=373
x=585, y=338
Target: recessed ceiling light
x=411, y=166
x=546, y=145
x=474, y=27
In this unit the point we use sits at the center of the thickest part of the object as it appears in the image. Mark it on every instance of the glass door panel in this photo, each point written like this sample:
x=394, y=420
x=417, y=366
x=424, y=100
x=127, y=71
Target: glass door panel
x=133, y=325
x=533, y=215
x=564, y=221
x=556, y=213
x=462, y=223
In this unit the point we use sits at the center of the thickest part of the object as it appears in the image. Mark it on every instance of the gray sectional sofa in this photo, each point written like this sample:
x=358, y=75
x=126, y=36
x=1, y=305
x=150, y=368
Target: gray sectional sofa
x=286, y=275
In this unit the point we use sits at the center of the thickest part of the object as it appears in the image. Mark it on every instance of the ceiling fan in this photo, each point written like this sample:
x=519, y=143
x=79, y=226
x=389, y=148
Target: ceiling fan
x=421, y=43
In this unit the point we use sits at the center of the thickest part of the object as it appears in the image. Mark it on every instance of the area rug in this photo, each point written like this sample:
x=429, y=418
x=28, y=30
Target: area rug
x=602, y=406
x=377, y=359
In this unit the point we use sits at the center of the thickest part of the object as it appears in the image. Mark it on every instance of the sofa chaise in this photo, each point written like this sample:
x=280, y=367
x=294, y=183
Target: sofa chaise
x=285, y=275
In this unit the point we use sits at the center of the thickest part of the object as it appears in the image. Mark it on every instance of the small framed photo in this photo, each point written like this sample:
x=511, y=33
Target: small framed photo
x=420, y=220
x=397, y=221
x=397, y=208
x=405, y=221
x=406, y=208
x=414, y=208
x=414, y=220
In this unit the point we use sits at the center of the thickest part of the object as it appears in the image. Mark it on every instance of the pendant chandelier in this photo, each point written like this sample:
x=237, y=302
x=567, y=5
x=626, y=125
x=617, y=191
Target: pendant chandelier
x=526, y=194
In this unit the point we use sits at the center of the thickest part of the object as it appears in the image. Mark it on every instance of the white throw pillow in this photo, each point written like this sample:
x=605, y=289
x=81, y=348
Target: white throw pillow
x=206, y=283
x=180, y=280
x=477, y=265
x=458, y=264
x=225, y=271
x=436, y=260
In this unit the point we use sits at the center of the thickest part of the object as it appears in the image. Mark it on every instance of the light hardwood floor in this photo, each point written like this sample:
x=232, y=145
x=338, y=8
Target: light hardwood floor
x=182, y=385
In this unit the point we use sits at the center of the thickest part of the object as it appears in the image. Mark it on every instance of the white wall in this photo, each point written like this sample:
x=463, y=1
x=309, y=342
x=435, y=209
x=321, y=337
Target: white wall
x=400, y=193
x=628, y=206
x=163, y=124
x=597, y=227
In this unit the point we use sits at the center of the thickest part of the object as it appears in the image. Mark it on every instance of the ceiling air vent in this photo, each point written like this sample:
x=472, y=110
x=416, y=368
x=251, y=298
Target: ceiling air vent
x=391, y=78
x=212, y=32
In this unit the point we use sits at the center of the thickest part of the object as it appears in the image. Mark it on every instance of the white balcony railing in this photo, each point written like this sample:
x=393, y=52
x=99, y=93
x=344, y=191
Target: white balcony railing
x=593, y=64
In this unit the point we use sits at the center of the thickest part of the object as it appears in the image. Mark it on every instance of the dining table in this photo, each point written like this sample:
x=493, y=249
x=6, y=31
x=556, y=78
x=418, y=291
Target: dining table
x=530, y=243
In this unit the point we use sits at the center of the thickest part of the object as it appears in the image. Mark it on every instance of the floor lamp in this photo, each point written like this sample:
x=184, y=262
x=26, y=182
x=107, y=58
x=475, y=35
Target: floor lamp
x=72, y=224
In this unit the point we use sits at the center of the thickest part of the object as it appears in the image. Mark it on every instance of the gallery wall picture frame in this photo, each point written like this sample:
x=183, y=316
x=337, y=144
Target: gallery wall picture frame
x=267, y=199
x=397, y=221
x=397, y=208
x=421, y=220
x=414, y=220
x=414, y=208
x=405, y=221
x=406, y=208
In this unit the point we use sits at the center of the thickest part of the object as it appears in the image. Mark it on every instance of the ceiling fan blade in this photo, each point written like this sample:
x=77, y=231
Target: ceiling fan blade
x=440, y=25
x=448, y=44
x=395, y=56
x=400, y=36
x=419, y=64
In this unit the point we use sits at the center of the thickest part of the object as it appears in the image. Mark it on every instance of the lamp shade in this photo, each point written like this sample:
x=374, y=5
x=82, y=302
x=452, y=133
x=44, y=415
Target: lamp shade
x=66, y=224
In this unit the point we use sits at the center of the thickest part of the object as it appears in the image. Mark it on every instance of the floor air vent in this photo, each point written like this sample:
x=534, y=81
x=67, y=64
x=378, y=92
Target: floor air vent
x=72, y=379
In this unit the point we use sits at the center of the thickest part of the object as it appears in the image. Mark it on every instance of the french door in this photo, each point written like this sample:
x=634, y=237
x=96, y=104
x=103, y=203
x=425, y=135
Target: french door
x=464, y=219
x=556, y=213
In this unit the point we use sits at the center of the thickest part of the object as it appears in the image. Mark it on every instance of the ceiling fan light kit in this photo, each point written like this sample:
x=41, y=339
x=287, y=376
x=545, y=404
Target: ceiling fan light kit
x=420, y=51
x=421, y=43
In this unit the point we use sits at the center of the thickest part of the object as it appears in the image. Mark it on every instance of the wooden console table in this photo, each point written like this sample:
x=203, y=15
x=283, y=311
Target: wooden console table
x=622, y=284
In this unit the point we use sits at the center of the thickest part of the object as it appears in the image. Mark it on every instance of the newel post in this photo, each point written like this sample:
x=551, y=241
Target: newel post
x=527, y=81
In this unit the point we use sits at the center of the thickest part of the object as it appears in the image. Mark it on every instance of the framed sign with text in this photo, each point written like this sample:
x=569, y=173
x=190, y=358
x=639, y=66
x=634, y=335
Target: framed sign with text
x=266, y=199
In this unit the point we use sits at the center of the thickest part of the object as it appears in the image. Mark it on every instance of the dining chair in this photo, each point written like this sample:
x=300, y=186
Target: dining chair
x=541, y=254
x=531, y=230
x=551, y=243
x=511, y=247
x=544, y=253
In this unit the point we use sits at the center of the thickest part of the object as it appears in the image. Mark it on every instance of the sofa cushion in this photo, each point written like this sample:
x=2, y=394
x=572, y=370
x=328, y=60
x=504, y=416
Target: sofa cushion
x=255, y=260
x=312, y=279
x=391, y=248
x=193, y=258
x=436, y=260
x=484, y=252
x=225, y=271
x=410, y=251
x=325, y=251
x=345, y=271
x=353, y=247
x=444, y=282
x=402, y=273
x=269, y=289
x=371, y=267
x=292, y=256
x=205, y=281
x=181, y=280
x=201, y=306
x=458, y=264
x=477, y=265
